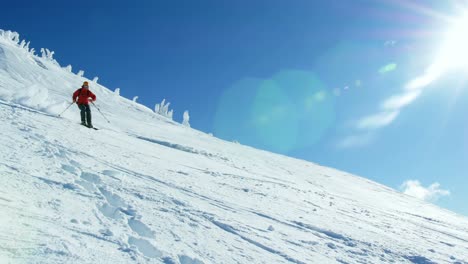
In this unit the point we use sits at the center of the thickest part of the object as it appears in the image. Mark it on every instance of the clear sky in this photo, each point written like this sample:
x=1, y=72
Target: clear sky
x=376, y=88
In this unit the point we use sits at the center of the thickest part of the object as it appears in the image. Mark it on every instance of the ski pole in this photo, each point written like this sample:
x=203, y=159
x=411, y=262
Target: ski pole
x=65, y=109
x=100, y=112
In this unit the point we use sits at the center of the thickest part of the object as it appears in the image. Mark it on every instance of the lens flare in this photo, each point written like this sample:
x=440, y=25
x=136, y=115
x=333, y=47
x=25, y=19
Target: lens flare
x=388, y=68
x=289, y=111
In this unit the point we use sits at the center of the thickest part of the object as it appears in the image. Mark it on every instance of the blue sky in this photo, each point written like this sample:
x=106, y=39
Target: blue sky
x=352, y=84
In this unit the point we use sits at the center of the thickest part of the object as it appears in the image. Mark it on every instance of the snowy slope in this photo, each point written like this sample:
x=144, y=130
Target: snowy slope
x=144, y=189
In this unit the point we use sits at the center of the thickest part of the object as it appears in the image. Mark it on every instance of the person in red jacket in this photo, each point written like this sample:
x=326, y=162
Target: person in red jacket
x=82, y=97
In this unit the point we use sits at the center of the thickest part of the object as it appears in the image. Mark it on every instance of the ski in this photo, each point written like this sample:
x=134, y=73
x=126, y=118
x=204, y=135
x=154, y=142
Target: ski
x=90, y=127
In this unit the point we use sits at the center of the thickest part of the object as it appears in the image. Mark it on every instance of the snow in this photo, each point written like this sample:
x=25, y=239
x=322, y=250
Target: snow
x=145, y=189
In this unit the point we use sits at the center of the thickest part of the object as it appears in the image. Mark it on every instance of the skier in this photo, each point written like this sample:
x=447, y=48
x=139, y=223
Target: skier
x=82, y=97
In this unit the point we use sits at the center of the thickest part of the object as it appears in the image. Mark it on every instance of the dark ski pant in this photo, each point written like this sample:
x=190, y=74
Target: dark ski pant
x=85, y=114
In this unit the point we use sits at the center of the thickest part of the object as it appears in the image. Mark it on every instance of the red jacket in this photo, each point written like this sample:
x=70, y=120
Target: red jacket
x=83, y=95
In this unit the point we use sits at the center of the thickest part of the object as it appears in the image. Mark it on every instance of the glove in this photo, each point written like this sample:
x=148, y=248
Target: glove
x=74, y=101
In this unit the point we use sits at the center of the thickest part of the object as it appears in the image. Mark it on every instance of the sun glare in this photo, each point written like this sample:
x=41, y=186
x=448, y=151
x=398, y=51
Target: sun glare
x=454, y=52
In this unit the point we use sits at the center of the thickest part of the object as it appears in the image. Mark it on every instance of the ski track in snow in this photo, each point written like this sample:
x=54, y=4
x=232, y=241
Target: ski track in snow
x=144, y=189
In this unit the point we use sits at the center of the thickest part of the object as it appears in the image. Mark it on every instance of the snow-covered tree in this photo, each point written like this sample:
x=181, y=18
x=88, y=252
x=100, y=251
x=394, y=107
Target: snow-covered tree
x=117, y=91
x=163, y=109
x=135, y=99
x=22, y=44
x=5, y=34
x=80, y=73
x=185, y=122
x=158, y=107
x=10, y=35
x=68, y=68
x=50, y=54
x=47, y=54
x=95, y=79
x=15, y=37
x=32, y=52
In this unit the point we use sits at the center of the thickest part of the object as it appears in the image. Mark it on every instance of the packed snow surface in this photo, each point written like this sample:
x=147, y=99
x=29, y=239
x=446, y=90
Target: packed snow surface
x=145, y=189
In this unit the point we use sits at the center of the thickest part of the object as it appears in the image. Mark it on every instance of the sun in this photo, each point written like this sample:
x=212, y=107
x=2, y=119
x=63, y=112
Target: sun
x=453, y=54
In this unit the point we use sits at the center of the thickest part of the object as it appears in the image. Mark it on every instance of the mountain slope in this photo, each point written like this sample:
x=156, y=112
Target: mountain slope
x=145, y=189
